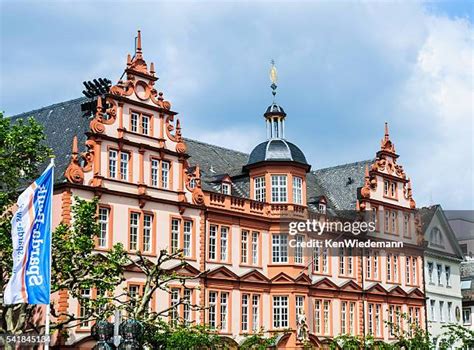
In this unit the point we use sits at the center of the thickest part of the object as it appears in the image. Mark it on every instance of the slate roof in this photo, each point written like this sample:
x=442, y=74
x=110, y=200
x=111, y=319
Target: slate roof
x=276, y=150
x=63, y=121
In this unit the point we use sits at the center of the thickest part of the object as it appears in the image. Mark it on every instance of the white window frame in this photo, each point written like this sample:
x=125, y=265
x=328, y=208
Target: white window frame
x=279, y=190
x=279, y=248
x=259, y=189
x=297, y=190
x=134, y=232
x=147, y=232
x=280, y=311
x=103, y=218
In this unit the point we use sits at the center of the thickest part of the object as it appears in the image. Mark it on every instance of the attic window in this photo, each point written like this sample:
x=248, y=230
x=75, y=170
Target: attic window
x=436, y=237
x=322, y=208
x=225, y=188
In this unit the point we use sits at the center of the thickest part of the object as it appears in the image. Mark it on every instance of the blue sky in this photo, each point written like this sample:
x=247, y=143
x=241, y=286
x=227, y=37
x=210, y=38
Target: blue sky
x=344, y=69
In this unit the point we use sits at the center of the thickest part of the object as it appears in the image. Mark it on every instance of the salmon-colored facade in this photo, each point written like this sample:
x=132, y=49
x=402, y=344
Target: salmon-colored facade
x=152, y=196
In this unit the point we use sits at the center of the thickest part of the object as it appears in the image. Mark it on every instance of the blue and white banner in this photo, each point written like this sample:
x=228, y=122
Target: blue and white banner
x=31, y=237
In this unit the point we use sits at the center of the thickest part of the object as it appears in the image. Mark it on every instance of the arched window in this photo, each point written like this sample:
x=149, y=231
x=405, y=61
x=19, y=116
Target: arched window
x=436, y=236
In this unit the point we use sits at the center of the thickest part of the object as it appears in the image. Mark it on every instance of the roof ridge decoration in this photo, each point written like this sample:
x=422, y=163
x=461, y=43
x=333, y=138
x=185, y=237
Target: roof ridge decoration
x=386, y=144
x=140, y=79
x=74, y=171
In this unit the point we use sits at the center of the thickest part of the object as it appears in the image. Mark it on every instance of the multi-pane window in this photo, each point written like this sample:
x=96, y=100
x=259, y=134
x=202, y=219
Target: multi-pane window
x=147, y=222
x=140, y=231
x=86, y=293
x=255, y=240
x=244, y=323
x=414, y=269
x=374, y=319
x=244, y=246
x=187, y=306
x=165, y=174
x=394, y=317
x=390, y=189
x=280, y=312
x=134, y=227
x=140, y=123
x=119, y=161
x=181, y=236
x=297, y=190
x=299, y=305
x=255, y=312
x=411, y=268
x=113, y=163
x=187, y=238
x=392, y=268
x=348, y=317
x=160, y=173
x=372, y=265
x=218, y=244
x=174, y=312
x=224, y=309
x=390, y=222
x=406, y=225
x=226, y=189
x=299, y=249
x=280, y=248
x=104, y=214
x=278, y=188
x=320, y=260
x=212, y=309
x=322, y=314
x=345, y=262
x=259, y=187
x=175, y=233
x=124, y=159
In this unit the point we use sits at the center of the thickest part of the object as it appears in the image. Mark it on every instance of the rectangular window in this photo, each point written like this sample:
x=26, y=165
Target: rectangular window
x=378, y=320
x=113, y=163
x=245, y=313
x=347, y=317
x=133, y=237
x=371, y=318
x=145, y=125
x=414, y=270
x=259, y=185
x=393, y=222
x=212, y=310
x=408, y=270
x=255, y=248
x=187, y=233
x=430, y=272
x=134, y=291
x=104, y=227
x=326, y=316
x=299, y=249
x=174, y=312
x=343, y=317
x=299, y=306
x=244, y=246
x=390, y=189
x=439, y=269
x=255, y=312
x=187, y=306
x=224, y=243
x=225, y=189
x=175, y=233
x=447, y=270
x=280, y=248
x=450, y=310
x=279, y=188
x=223, y=312
x=466, y=316
x=124, y=158
x=433, y=310
x=406, y=225
x=165, y=170
x=317, y=317
x=352, y=308
x=441, y=311
x=83, y=309
x=386, y=221
x=280, y=312
x=147, y=223
x=297, y=190
x=389, y=267
x=155, y=164
x=212, y=242
x=134, y=117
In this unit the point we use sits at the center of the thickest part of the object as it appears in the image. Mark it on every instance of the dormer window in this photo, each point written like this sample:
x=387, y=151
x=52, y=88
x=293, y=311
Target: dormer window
x=297, y=190
x=322, y=208
x=279, y=192
x=225, y=188
x=436, y=237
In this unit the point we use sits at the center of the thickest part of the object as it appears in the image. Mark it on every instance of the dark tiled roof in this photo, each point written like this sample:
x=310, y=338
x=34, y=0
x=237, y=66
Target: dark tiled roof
x=426, y=215
x=276, y=150
x=65, y=120
x=340, y=183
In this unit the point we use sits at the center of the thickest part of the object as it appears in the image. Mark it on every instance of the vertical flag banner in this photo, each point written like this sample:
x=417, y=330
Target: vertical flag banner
x=31, y=237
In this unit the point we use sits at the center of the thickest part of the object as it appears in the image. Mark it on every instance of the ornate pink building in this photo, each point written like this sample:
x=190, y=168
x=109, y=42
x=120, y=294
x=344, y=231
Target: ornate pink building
x=223, y=208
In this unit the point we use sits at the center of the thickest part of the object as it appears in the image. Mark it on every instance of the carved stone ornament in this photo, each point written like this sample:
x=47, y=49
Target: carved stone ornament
x=74, y=171
x=369, y=184
x=88, y=156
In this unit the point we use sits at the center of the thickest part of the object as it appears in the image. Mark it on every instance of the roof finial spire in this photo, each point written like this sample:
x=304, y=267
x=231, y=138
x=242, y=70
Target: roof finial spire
x=139, y=43
x=273, y=78
x=387, y=136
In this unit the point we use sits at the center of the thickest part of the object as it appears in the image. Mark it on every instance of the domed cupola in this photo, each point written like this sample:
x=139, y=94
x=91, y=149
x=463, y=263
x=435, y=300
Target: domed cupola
x=277, y=167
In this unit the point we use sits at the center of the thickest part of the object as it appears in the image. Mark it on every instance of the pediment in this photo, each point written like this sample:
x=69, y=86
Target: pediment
x=325, y=283
x=185, y=270
x=350, y=286
x=377, y=289
x=303, y=279
x=282, y=278
x=222, y=273
x=397, y=291
x=415, y=292
x=254, y=276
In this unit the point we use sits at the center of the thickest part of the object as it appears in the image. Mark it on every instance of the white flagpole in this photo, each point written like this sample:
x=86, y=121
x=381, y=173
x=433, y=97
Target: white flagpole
x=48, y=306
